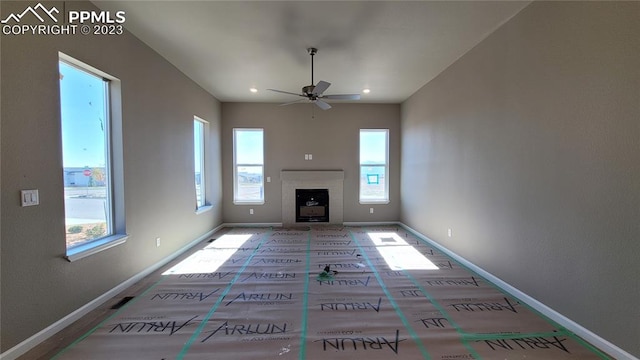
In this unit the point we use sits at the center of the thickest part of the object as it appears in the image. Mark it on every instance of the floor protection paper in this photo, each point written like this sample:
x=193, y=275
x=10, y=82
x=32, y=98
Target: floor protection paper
x=325, y=292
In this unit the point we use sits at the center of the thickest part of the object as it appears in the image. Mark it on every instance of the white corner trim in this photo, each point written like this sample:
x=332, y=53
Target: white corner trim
x=52, y=329
x=571, y=325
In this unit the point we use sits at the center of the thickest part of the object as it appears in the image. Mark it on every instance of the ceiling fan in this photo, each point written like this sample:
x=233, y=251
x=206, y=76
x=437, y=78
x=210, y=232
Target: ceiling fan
x=314, y=93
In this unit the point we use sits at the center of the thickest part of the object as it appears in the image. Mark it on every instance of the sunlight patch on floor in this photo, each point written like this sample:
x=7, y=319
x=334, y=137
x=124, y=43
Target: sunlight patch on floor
x=211, y=257
x=398, y=254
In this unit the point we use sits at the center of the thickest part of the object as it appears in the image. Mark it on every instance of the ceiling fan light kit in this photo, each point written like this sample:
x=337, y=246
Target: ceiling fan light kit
x=315, y=93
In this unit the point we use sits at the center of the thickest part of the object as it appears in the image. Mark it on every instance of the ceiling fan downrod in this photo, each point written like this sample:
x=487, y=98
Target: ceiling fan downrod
x=312, y=51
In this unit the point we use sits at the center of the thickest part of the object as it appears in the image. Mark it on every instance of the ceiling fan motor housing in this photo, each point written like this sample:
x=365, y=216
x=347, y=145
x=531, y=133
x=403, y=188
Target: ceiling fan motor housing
x=308, y=90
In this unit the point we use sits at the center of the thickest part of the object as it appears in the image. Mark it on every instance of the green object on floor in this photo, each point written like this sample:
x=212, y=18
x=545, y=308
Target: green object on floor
x=326, y=274
x=323, y=276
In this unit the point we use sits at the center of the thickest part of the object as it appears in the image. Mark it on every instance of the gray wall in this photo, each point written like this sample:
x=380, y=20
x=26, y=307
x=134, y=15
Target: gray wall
x=38, y=286
x=528, y=148
x=332, y=138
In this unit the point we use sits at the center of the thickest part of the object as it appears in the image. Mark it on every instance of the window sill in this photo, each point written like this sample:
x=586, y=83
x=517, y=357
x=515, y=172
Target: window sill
x=248, y=203
x=203, y=209
x=374, y=202
x=95, y=247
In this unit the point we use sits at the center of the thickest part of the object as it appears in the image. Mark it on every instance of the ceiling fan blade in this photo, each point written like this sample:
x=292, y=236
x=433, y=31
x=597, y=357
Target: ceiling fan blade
x=292, y=102
x=321, y=87
x=342, y=97
x=285, y=92
x=322, y=105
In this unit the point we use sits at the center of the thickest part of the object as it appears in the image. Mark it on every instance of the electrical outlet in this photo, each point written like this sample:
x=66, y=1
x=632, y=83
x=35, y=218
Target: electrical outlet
x=370, y=210
x=449, y=232
x=250, y=211
x=157, y=242
x=310, y=156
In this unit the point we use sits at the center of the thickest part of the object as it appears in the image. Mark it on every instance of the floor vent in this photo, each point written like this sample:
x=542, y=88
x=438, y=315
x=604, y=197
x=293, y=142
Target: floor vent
x=121, y=303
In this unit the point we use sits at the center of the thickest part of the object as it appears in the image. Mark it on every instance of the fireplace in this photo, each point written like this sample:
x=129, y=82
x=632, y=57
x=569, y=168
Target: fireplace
x=330, y=180
x=312, y=205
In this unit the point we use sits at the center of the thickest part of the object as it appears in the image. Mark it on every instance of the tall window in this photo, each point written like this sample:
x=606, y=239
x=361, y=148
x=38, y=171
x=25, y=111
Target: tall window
x=248, y=166
x=84, y=100
x=199, y=127
x=374, y=165
x=87, y=157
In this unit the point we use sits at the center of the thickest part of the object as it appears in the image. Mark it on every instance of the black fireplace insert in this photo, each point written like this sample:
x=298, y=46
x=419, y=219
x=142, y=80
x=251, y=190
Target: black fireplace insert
x=312, y=205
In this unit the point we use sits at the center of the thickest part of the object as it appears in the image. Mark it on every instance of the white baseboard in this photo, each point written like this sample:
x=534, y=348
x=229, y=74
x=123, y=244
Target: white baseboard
x=369, y=223
x=52, y=329
x=569, y=324
x=251, y=225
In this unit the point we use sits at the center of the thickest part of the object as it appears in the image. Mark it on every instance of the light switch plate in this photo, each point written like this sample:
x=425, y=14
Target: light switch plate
x=29, y=197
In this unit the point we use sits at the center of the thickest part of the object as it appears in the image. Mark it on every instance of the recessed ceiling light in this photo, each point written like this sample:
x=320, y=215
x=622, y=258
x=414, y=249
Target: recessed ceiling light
x=366, y=91
x=253, y=90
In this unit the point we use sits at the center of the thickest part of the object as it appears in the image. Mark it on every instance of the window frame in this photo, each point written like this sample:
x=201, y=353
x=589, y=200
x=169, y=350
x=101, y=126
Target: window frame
x=204, y=205
x=237, y=201
x=114, y=163
x=386, y=198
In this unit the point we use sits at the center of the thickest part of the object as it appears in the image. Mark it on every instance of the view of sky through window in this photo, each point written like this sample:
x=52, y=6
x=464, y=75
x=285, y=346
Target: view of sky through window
x=82, y=102
x=249, y=147
x=373, y=147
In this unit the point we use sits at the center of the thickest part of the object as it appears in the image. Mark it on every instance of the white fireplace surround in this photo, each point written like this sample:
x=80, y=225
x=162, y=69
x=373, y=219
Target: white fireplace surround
x=331, y=180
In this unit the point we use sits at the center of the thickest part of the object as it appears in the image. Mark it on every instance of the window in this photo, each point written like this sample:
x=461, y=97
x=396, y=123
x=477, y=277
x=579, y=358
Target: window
x=90, y=169
x=199, y=127
x=248, y=168
x=374, y=165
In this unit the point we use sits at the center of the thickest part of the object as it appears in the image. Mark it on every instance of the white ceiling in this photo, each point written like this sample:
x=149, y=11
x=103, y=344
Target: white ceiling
x=391, y=47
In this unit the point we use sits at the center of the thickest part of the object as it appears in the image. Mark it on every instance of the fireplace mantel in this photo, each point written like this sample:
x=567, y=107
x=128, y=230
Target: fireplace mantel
x=312, y=179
